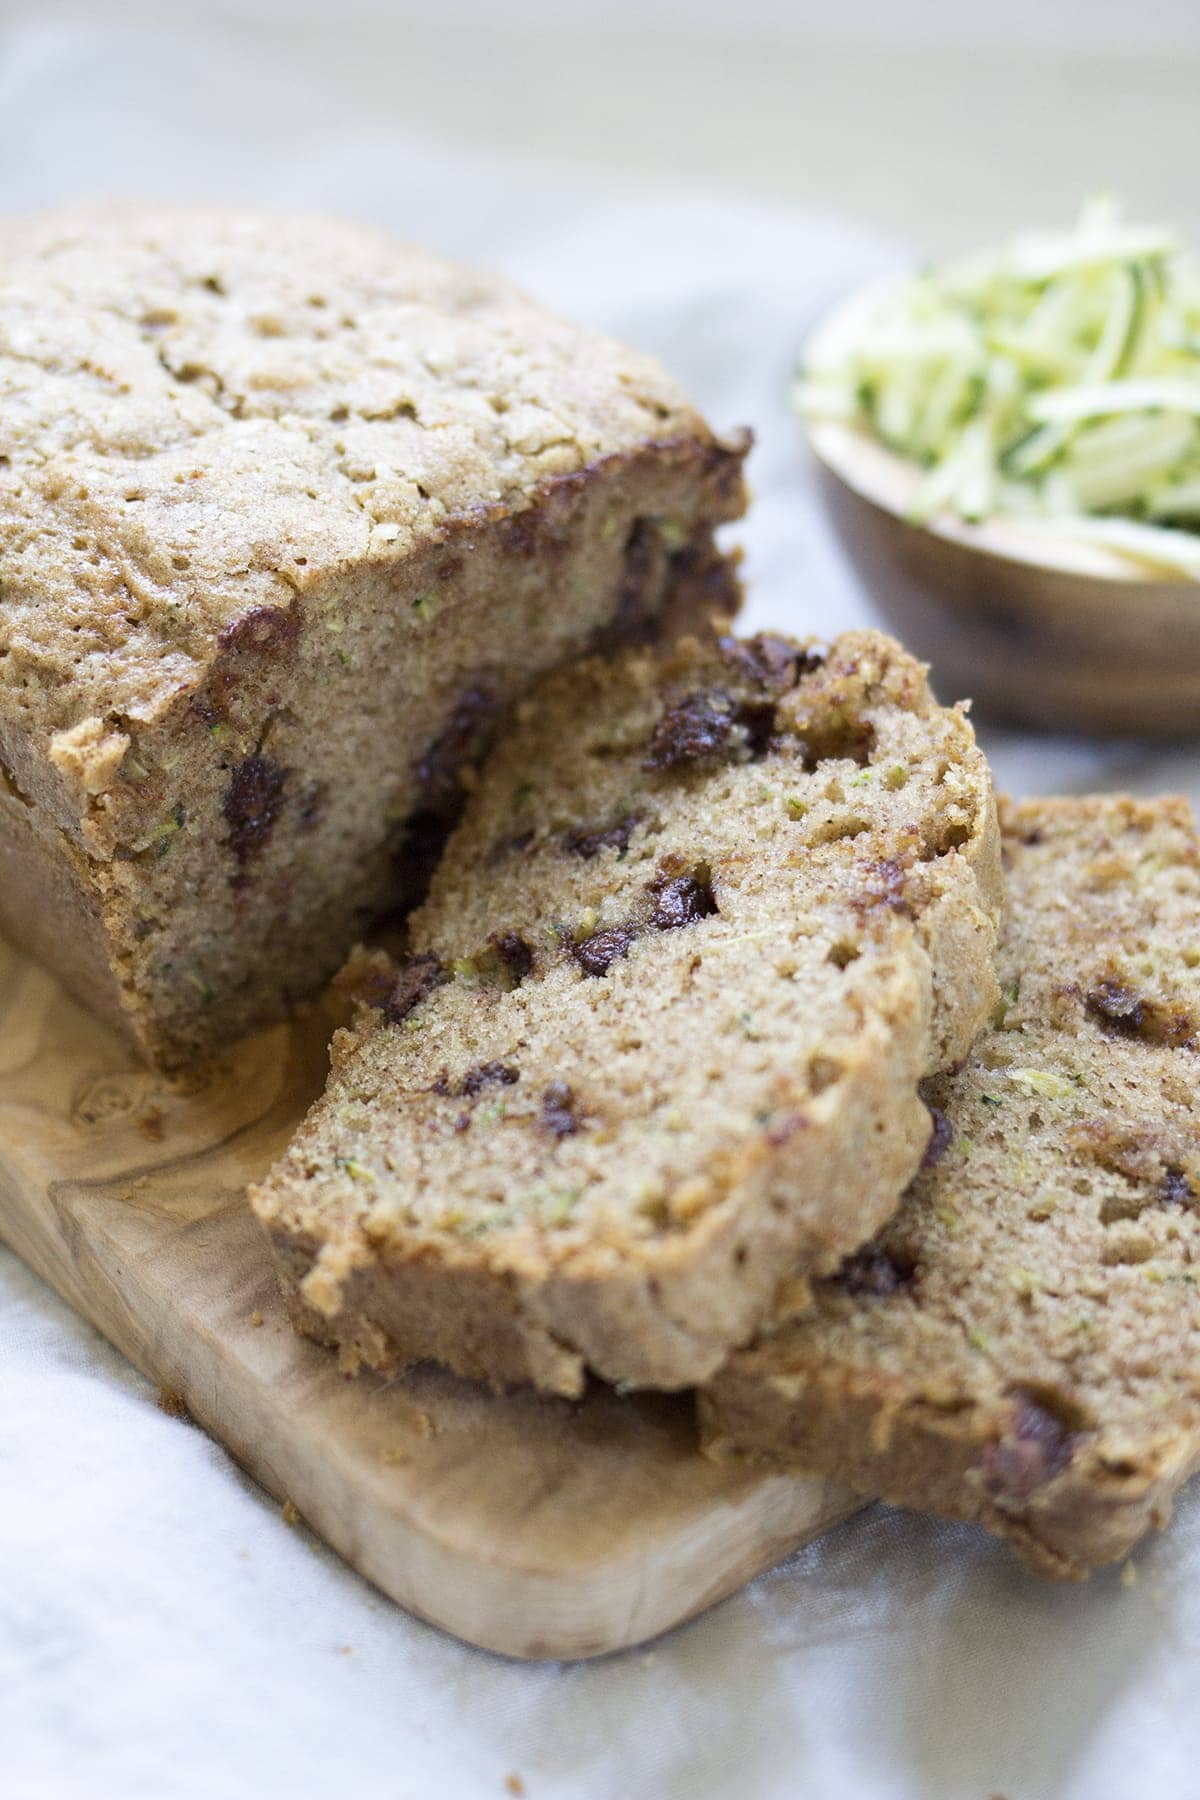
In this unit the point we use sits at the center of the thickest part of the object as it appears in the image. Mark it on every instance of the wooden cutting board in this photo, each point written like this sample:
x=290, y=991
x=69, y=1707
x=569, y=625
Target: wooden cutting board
x=538, y=1528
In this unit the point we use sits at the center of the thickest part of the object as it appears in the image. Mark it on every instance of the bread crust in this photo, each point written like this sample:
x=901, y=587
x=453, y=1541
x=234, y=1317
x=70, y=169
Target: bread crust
x=1017, y=1346
x=739, y=1204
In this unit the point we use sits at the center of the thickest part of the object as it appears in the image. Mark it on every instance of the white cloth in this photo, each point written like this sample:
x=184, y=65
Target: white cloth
x=163, y=1636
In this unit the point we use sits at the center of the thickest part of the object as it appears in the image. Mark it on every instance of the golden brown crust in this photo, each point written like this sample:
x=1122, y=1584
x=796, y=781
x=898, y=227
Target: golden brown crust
x=1017, y=1346
x=288, y=512
x=707, y=921
x=211, y=412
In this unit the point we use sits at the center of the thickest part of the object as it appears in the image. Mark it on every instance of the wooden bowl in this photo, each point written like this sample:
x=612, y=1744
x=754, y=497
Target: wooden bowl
x=1039, y=630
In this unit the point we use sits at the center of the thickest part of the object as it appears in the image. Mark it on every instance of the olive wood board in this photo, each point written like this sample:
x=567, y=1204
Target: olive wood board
x=533, y=1527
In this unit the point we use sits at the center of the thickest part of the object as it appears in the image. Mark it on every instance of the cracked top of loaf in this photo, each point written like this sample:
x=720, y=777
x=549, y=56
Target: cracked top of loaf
x=206, y=412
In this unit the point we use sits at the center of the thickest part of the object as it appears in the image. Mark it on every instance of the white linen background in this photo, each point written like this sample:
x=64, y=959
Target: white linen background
x=162, y=1633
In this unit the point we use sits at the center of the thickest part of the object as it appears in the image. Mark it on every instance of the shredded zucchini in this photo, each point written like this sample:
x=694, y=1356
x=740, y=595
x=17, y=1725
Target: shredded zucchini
x=1056, y=380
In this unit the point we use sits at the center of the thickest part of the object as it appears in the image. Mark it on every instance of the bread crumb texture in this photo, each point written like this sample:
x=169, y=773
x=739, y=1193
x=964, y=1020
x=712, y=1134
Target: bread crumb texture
x=1019, y=1344
x=707, y=921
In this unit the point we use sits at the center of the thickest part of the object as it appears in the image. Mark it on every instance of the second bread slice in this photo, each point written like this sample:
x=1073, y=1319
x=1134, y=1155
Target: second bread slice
x=707, y=923
x=1019, y=1345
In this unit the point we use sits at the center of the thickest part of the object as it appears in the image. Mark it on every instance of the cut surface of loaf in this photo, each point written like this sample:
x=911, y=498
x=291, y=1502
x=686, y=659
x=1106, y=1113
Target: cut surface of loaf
x=707, y=921
x=288, y=512
x=1020, y=1345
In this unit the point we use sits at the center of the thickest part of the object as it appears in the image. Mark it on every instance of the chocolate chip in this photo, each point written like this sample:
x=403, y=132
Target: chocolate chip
x=253, y=802
x=1121, y=1009
x=772, y=662
x=941, y=1136
x=712, y=724
x=588, y=840
x=875, y=1272
x=521, y=533
x=489, y=1074
x=1117, y=1006
x=757, y=720
x=697, y=730
x=596, y=954
x=515, y=955
x=1037, y=1446
x=416, y=977
x=425, y=835
x=633, y=622
x=1176, y=1189
x=262, y=628
x=461, y=742
x=681, y=902
x=558, y=1116
x=459, y=745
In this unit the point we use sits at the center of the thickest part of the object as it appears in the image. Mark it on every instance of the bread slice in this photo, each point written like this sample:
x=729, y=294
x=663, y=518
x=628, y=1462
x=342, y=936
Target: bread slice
x=706, y=923
x=289, y=512
x=1020, y=1345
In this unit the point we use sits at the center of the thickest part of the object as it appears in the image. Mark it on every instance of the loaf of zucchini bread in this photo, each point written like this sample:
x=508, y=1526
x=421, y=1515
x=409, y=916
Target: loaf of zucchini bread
x=656, y=1045
x=1021, y=1344
x=289, y=512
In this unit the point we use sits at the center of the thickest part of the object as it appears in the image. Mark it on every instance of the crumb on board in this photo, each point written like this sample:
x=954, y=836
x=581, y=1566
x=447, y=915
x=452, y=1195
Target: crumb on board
x=172, y=1403
x=393, y=1455
x=514, y=1785
x=416, y=1420
x=1128, y=1574
x=291, y=1513
x=256, y=1318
